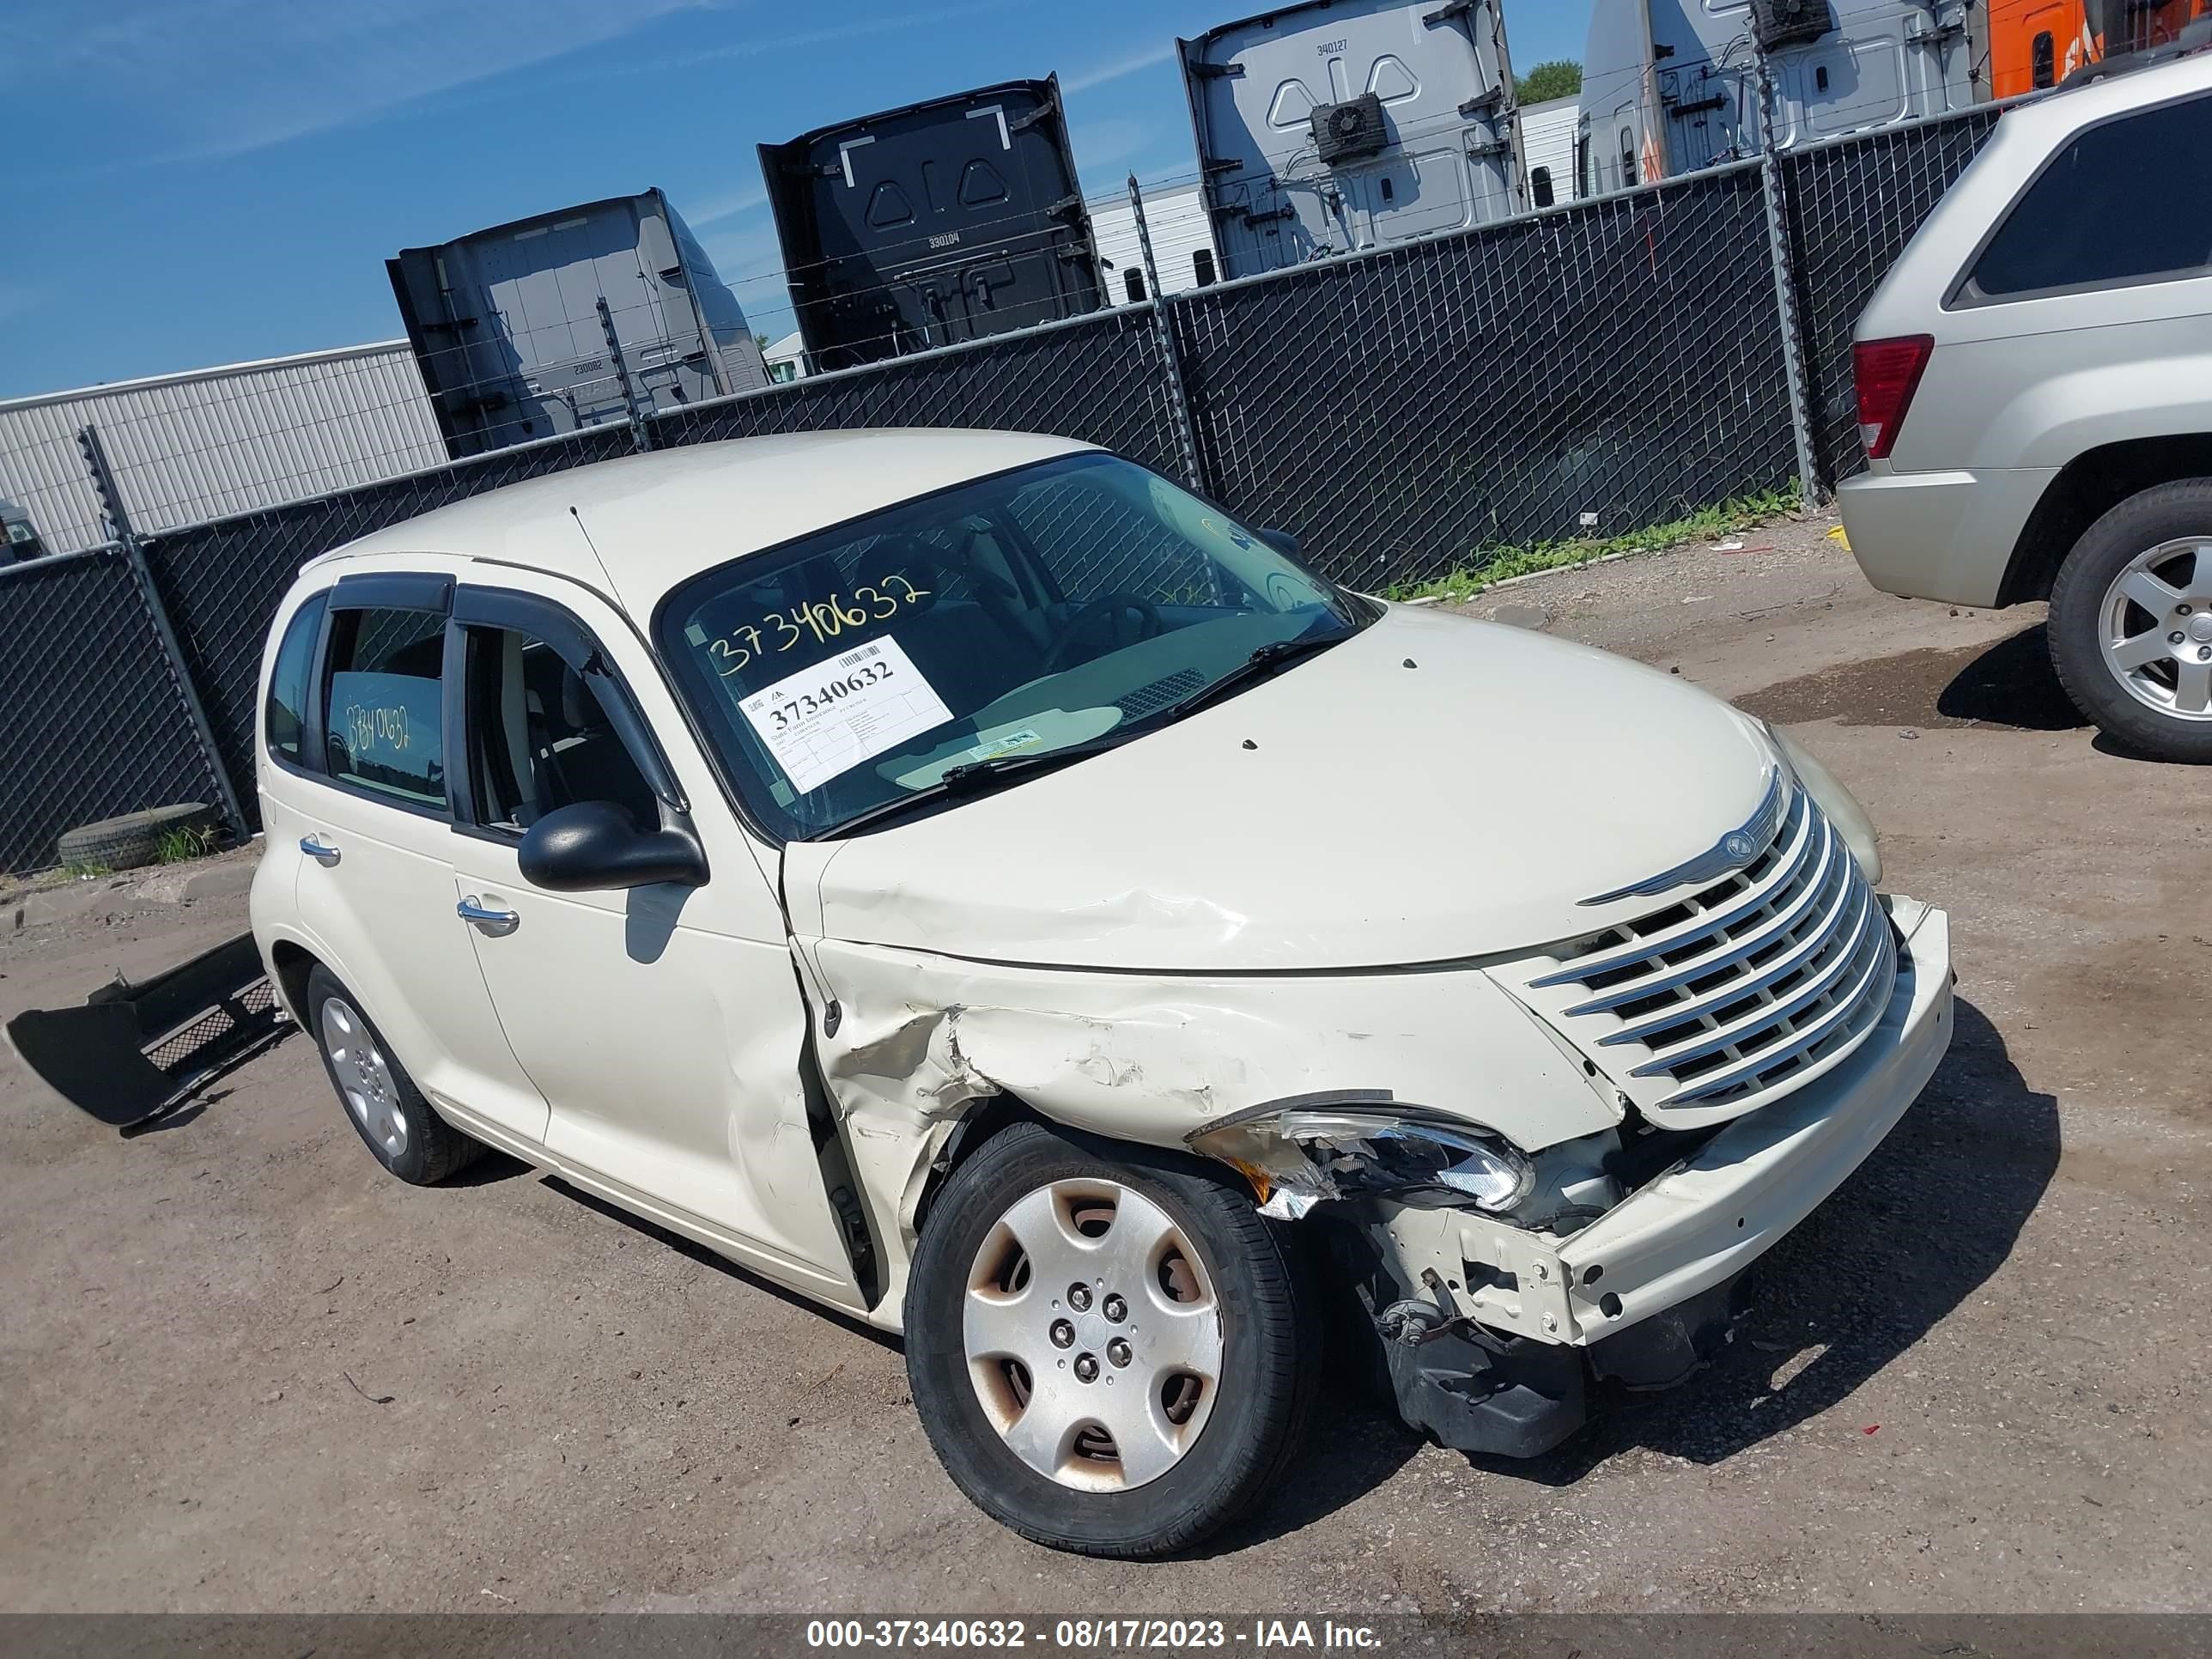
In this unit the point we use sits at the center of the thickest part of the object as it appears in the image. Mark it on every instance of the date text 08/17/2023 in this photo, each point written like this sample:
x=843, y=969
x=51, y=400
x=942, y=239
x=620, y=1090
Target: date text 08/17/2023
x=1092, y=1635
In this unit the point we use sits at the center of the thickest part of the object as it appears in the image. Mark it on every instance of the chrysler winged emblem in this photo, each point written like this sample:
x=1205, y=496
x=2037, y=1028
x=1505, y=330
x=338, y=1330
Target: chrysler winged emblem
x=1731, y=852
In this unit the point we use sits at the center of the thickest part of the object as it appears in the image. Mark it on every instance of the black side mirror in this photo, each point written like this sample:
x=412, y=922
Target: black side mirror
x=592, y=847
x=1282, y=541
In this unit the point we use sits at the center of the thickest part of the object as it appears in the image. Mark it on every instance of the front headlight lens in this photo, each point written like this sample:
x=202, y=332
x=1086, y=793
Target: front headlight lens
x=1297, y=1158
x=1841, y=806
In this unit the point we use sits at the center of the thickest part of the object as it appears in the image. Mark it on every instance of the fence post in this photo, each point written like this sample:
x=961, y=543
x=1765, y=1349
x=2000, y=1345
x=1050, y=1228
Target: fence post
x=1178, y=405
x=1785, y=286
x=119, y=531
x=640, y=436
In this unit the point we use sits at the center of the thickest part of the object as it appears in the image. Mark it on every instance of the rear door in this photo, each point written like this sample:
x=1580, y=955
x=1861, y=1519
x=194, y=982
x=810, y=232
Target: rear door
x=665, y=1022
x=371, y=826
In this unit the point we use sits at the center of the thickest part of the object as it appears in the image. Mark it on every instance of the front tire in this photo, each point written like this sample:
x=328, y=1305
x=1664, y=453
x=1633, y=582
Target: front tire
x=381, y=1101
x=2131, y=623
x=1111, y=1351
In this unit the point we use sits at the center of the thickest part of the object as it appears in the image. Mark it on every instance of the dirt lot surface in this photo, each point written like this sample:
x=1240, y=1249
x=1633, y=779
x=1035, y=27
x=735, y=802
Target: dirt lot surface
x=242, y=1368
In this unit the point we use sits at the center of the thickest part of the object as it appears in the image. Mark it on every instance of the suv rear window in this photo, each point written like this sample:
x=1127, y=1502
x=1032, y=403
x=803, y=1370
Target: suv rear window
x=386, y=704
x=2128, y=200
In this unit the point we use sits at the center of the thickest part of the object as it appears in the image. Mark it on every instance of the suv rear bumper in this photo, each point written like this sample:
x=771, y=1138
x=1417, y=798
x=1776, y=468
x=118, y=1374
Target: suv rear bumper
x=1947, y=536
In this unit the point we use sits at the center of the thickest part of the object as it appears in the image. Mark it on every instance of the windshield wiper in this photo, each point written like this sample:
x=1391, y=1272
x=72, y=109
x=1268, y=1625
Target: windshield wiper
x=1268, y=658
x=970, y=776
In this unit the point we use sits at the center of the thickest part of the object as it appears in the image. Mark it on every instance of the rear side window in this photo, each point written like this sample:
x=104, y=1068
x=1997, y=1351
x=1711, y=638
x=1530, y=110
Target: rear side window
x=385, y=703
x=285, y=717
x=2127, y=201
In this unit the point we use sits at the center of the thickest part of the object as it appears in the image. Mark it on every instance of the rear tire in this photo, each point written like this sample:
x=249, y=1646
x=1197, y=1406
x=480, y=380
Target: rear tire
x=1175, y=1454
x=381, y=1101
x=2132, y=583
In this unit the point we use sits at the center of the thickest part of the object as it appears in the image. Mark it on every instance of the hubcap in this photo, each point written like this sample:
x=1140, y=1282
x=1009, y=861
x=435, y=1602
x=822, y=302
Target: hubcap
x=1093, y=1335
x=2155, y=630
x=364, y=1076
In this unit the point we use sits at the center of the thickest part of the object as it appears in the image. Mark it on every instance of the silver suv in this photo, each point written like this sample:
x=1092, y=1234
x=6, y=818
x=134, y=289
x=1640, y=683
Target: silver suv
x=2035, y=398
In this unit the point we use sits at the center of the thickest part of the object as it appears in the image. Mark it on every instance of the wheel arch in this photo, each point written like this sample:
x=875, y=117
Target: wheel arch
x=292, y=963
x=2089, y=486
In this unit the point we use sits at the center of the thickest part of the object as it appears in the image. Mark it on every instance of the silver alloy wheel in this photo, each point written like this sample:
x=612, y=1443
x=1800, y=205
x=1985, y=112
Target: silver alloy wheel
x=364, y=1076
x=1093, y=1335
x=2156, y=629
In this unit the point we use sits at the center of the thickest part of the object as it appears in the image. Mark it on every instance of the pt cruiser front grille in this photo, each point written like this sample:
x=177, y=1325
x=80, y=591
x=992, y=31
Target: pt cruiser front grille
x=1747, y=987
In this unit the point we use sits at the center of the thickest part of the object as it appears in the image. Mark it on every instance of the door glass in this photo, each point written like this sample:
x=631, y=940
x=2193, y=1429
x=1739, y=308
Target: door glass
x=287, y=682
x=387, y=710
x=540, y=737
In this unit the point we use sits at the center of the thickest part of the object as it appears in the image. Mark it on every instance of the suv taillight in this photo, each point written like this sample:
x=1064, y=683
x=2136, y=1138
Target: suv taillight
x=1887, y=372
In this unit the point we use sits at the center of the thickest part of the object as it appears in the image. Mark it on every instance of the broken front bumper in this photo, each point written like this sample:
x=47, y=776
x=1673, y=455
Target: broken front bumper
x=1644, y=1289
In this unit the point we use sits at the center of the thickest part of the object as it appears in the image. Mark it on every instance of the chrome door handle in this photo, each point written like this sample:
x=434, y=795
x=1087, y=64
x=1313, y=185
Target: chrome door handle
x=321, y=852
x=485, y=919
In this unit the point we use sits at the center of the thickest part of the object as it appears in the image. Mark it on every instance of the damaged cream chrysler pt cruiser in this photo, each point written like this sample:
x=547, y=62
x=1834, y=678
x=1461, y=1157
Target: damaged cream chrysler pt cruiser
x=970, y=880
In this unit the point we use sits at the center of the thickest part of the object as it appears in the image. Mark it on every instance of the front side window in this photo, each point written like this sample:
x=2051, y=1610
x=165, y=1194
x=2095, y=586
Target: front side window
x=540, y=736
x=2126, y=201
x=1051, y=610
x=384, y=705
x=284, y=718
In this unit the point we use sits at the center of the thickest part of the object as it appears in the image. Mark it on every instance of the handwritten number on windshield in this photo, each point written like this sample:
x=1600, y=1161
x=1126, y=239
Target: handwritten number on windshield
x=823, y=620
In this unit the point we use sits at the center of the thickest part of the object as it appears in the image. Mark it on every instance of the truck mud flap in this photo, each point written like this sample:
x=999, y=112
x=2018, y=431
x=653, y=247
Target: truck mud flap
x=131, y=1051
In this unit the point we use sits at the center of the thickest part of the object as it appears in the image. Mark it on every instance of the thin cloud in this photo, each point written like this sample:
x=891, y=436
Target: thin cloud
x=726, y=207
x=222, y=77
x=1099, y=75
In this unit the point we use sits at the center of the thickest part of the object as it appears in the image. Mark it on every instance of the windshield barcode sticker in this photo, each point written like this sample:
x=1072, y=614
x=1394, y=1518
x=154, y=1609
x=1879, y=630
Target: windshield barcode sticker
x=828, y=718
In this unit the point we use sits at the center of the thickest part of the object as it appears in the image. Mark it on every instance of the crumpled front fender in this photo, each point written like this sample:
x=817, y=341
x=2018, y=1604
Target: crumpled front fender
x=918, y=1039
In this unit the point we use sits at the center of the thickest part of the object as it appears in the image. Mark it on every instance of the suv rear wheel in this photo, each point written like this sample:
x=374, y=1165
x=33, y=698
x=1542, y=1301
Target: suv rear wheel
x=1111, y=1350
x=2131, y=622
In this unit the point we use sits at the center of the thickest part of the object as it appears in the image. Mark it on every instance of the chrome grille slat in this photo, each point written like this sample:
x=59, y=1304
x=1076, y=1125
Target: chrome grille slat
x=1818, y=892
x=1769, y=1014
x=1796, y=830
x=1858, y=1006
x=1745, y=985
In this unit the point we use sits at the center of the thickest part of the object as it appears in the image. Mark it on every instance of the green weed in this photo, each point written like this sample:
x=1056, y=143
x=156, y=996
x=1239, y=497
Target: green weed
x=1494, y=565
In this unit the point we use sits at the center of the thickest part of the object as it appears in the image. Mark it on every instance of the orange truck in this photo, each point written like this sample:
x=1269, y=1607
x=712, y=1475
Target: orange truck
x=2039, y=43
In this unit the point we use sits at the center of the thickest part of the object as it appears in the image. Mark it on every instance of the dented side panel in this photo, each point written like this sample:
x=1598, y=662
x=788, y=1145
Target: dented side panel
x=919, y=1038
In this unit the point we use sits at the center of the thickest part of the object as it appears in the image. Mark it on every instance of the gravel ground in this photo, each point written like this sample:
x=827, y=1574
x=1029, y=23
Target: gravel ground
x=241, y=1369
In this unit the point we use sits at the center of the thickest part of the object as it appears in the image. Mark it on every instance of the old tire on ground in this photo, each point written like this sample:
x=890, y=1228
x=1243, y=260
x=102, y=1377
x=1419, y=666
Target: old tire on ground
x=1111, y=1351
x=2131, y=623
x=126, y=842
x=381, y=1101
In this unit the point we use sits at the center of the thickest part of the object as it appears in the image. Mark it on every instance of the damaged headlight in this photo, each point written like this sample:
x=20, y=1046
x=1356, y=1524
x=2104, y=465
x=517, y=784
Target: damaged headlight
x=1297, y=1158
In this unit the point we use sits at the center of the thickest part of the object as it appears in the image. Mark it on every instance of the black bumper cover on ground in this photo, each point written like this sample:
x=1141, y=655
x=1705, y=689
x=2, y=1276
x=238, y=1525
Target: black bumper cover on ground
x=132, y=1050
x=1476, y=1390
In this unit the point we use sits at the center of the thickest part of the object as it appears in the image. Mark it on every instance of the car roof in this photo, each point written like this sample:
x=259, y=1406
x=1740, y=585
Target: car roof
x=655, y=519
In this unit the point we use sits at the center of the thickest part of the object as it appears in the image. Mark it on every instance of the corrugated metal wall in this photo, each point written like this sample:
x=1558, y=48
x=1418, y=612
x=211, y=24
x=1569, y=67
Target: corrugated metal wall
x=1547, y=140
x=188, y=447
x=1176, y=218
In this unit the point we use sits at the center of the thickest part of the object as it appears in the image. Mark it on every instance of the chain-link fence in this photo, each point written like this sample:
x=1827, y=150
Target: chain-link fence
x=96, y=722
x=1854, y=204
x=1587, y=370
x=1594, y=370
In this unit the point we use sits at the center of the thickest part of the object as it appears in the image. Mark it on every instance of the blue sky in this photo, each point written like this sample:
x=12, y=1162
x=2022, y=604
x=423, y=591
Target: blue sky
x=191, y=182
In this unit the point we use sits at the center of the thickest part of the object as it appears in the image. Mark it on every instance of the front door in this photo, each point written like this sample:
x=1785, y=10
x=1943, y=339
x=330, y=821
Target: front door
x=664, y=1023
x=372, y=839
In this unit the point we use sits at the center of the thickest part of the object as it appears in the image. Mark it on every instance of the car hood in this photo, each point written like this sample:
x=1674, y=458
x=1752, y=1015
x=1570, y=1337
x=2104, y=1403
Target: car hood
x=1433, y=789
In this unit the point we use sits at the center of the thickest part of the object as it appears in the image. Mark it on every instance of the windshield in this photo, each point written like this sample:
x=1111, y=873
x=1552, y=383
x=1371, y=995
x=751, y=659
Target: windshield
x=1057, y=606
